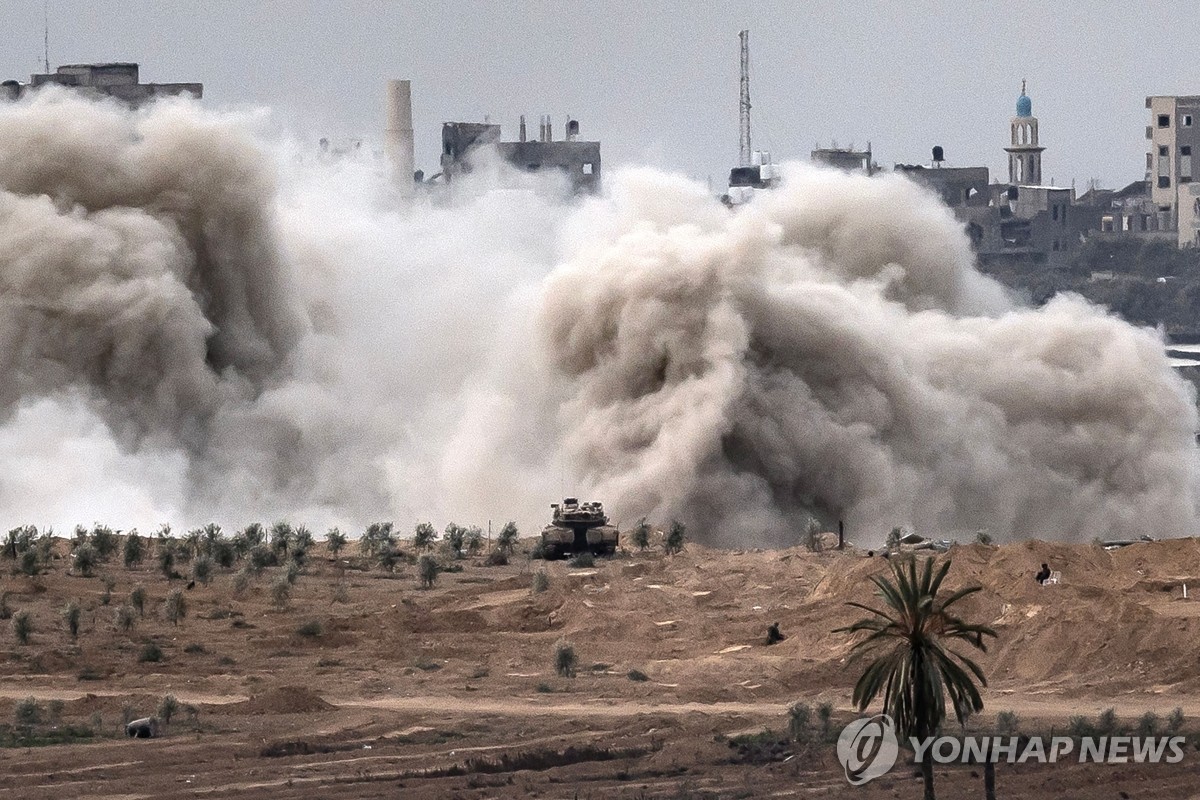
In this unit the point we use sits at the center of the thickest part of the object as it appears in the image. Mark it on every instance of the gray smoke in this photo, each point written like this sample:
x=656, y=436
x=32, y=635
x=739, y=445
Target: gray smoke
x=199, y=320
x=830, y=351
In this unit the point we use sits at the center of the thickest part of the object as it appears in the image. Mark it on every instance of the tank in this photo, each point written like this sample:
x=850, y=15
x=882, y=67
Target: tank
x=578, y=527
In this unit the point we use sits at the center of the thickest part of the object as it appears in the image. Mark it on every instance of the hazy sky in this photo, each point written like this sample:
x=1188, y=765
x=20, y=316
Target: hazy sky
x=657, y=81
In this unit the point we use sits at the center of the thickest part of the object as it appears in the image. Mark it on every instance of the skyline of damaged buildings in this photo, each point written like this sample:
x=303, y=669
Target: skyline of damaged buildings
x=1020, y=219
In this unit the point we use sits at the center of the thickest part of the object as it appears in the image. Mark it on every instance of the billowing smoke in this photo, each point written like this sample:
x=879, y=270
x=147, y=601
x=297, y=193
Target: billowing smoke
x=830, y=351
x=199, y=321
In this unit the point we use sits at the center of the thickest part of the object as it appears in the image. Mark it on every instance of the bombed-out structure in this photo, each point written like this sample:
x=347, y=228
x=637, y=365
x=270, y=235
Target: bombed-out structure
x=577, y=160
x=119, y=80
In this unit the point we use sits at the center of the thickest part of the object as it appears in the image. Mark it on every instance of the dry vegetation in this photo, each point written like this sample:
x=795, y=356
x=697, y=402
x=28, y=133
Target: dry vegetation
x=290, y=671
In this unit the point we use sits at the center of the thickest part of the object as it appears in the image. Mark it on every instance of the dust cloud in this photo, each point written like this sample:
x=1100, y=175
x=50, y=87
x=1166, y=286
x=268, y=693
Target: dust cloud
x=200, y=319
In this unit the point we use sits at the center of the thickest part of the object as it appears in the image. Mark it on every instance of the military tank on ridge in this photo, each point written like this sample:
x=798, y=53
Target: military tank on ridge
x=579, y=527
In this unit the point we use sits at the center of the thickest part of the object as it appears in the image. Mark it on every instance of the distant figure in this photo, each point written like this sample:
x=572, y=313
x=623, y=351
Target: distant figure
x=1043, y=574
x=773, y=634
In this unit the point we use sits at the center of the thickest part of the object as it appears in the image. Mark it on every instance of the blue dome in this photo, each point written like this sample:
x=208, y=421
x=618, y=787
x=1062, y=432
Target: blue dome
x=1024, y=105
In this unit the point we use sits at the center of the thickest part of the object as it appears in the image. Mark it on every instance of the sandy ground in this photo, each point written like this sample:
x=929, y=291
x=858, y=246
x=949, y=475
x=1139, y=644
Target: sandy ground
x=451, y=692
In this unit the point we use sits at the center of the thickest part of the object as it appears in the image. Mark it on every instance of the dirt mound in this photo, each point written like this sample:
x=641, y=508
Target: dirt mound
x=283, y=700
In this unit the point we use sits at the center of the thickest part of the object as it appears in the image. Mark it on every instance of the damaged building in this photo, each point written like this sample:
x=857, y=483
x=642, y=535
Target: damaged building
x=116, y=80
x=575, y=159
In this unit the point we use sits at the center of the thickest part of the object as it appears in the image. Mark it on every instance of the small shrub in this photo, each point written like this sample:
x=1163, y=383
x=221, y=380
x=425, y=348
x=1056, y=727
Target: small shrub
x=90, y=673
x=54, y=710
x=167, y=708
x=302, y=542
x=545, y=688
x=137, y=598
x=565, y=660
x=538, y=551
x=23, y=626
x=195, y=648
x=242, y=581
x=454, y=538
x=202, y=569
x=254, y=534
x=496, y=558
x=424, y=536
x=800, y=723
x=71, y=616
x=335, y=540
x=641, y=534
x=176, y=606
x=427, y=571
x=311, y=629
x=281, y=537
x=584, y=560
x=134, y=550
x=1147, y=724
x=506, y=541
x=292, y=570
x=27, y=713
x=1007, y=723
x=124, y=618
x=150, y=653
x=281, y=591
x=473, y=540
x=637, y=675
x=166, y=558
x=675, y=538
x=1080, y=726
x=825, y=715
x=1175, y=720
x=984, y=538
x=104, y=541
x=5, y=609
x=812, y=536
x=1106, y=723
x=541, y=581
x=260, y=557
x=106, y=595
x=29, y=562
x=893, y=539
x=388, y=557
x=224, y=553
x=341, y=593
x=85, y=559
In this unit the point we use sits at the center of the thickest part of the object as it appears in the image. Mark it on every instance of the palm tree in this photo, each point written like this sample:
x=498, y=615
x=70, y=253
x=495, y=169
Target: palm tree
x=913, y=667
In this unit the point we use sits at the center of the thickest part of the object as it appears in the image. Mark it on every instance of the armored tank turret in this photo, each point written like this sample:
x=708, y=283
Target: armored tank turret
x=578, y=527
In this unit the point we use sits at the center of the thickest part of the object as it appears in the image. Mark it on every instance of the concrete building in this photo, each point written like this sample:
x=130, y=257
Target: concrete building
x=578, y=161
x=1174, y=135
x=116, y=80
x=1024, y=152
x=845, y=158
x=957, y=186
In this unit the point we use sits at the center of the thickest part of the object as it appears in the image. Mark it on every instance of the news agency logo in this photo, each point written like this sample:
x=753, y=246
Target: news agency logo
x=868, y=748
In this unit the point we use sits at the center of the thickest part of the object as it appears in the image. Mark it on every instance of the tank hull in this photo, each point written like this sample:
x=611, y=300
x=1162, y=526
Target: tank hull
x=559, y=541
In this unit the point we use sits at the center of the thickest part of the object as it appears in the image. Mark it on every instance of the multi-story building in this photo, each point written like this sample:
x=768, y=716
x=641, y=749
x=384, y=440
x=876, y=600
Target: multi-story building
x=1174, y=136
x=578, y=161
x=118, y=80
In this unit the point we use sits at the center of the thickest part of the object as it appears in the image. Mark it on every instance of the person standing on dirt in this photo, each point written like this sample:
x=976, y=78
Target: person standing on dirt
x=1043, y=574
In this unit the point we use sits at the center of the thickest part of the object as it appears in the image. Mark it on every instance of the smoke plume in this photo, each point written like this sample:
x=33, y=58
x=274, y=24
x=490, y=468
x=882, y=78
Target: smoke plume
x=199, y=320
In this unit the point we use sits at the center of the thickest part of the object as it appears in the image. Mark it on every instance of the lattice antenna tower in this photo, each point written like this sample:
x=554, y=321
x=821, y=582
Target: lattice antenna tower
x=744, y=104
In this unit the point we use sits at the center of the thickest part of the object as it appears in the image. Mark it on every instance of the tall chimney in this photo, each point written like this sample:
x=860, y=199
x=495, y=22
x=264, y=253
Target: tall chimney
x=549, y=129
x=398, y=136
x=522, y=127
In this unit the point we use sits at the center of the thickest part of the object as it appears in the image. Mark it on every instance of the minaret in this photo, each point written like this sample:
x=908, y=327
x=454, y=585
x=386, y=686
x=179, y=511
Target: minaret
x=1024, y=154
